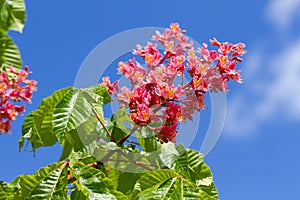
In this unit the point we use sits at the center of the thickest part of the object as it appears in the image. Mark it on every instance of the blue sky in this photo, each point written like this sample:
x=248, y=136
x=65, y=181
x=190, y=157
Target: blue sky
x=257, y=155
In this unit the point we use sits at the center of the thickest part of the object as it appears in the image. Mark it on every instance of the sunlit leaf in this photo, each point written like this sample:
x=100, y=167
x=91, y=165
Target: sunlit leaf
x=91, y=184
x=9, y=55
x=47, y=183
x=66, y=116
x=12, y=15
x=7, y=191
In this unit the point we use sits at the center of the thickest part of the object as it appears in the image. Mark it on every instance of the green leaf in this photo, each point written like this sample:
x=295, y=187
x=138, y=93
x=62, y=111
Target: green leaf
x=168, y=184
x=119, y=129
x=70, y=142
x=111, y=186
x=9, y=55
x=102, y=132
x=171, y=189
x=66, y=116
x=7, y=191
x=204, y=180
x=91, y=184
x=189, y=163
x=184, y=161
x=47, y=183
x=74, y=121
x=79, y=194
x=12, y=15
x=121, y=159
x=76, y=108
x=147, y=139
x=99, y=92
x=125, y=181
x=72, y=111
x=37, y=127
x=153, y=180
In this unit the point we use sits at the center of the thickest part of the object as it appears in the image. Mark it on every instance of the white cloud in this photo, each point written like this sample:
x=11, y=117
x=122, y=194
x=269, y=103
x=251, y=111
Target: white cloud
x=275, y=98
x=241, y=114
x=239, y=122
x=272, y=80
x=284, y=91
x=282, y=12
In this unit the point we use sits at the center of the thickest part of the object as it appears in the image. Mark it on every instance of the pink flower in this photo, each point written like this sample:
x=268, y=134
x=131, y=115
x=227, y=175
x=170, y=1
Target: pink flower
x=168, y=132
x=3, y=88
x=140, y=96
x=150, y=54
x=239, y=49
x=225, y=48
x=175, y=27
x=124, y=97
x=155, y=88
x=199, y=83
x=5, y=126
x=142, y=115
x=194, y=103
x=112, y=88
x=218, y=84
x=12, y=90
x=213, y=55
x=215, y=42
x=174, y=112
x=3, y=78
x=169, y=92
x=26, y=96
x=32, y=85
x=132, y=70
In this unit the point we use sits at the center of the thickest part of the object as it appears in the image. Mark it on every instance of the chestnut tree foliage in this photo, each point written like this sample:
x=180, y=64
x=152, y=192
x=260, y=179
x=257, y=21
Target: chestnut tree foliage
x=101, y=159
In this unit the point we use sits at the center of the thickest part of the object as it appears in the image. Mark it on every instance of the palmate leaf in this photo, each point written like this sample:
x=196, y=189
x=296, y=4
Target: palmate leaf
x=52, y=182
x=150, y=182
x=77, y=107
x=7, y=191
x=171, y=189
x=92, y=184
x=47, y=183
x=89, y=181
x=66, y=116
x=72, y=111
x=119, y=129
x=184, y=161
x=116, y=126
x=168, y=184
x=12, y=15
x=204, y=180
x=189, y=164
x=99, y=94
x=116, y=157
x=9, y=54
x=124, y=181
x=147, y=139
x=37, y=127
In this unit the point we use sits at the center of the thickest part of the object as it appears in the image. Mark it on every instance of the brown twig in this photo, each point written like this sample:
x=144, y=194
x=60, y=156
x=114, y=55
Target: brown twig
x=135, y=162
x=121, y=141
x=105, y=128
x=133, y=142
x=140, y=164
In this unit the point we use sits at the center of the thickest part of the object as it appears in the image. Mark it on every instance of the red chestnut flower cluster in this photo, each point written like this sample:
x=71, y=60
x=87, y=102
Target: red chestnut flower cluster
x=12, y=90
x=154, y=96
